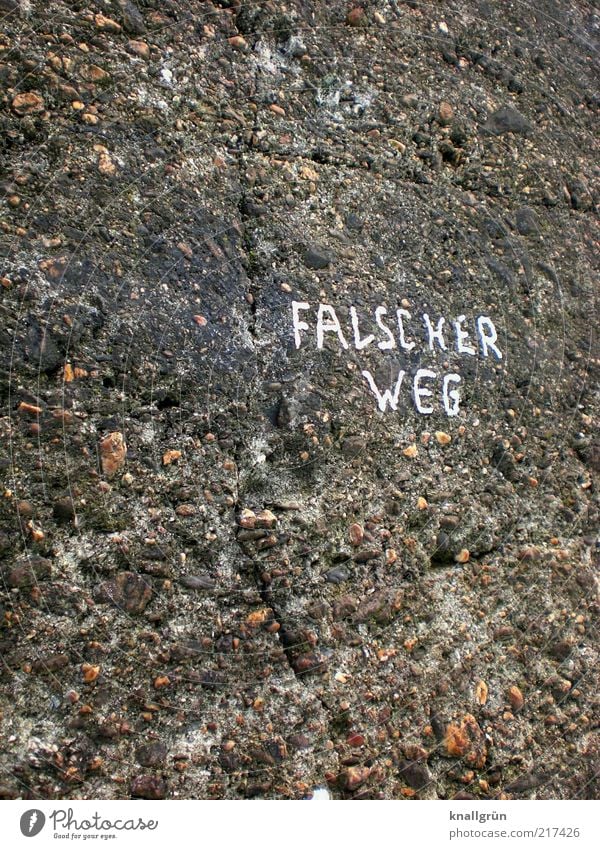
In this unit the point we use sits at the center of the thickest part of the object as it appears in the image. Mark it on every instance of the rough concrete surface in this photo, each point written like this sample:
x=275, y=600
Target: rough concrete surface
x=231, y=565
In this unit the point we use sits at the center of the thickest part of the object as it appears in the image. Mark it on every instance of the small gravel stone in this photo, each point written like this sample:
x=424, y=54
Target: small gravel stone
x=337, y=575
x=28, y=103
x=466, y=741
x=198, y=582
x=107, y=24
x=148, y=787
x=239, y=42
x=481, y=692
x=139, y=48
x=356, y=534
x=415, y=774
x=354, y=777
x=317, y=258
x=527, y=221
x=367, y=554
x=356, y=17
x=445, y=113
x=128, y=591
x=133, y=20
x=113, y=452
x=25, y=509
x=90, y=672
x=51, y=662
x=507, y=120
x=63, y=510
x=515, y=697
x=171, y=456
x=28, y=574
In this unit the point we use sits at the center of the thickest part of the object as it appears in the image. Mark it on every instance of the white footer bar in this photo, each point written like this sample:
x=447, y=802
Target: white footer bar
x=261, y=824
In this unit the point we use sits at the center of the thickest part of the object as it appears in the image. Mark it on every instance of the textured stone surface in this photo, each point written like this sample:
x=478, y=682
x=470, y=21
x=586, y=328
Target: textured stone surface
x=271, y=583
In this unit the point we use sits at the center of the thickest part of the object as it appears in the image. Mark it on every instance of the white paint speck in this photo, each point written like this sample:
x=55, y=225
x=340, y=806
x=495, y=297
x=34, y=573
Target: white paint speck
x=320, y=794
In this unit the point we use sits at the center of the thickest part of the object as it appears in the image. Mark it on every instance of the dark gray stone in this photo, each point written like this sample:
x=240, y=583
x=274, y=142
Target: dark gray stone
x=507, y=120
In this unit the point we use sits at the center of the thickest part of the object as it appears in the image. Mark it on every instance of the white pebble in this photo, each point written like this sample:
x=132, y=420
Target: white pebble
x=320, y=794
